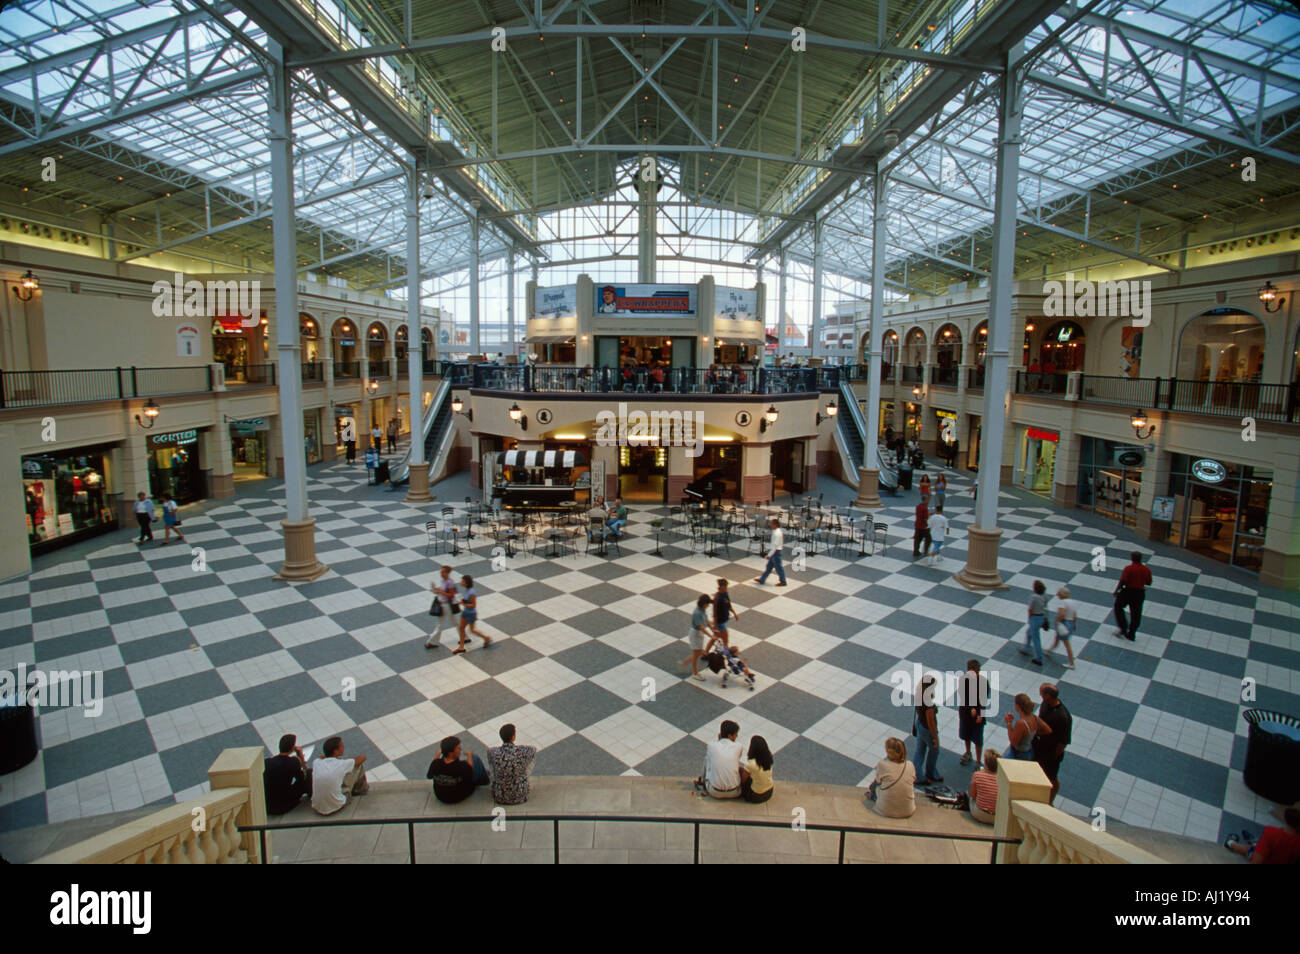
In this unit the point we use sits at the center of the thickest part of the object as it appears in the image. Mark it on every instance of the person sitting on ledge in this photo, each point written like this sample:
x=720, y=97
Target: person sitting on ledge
x=286, y=778
x=894, y=790
x=723, y=760
x=511, y=765
x=455, y=780
x=1277, y=846
x=984, y=789
x=756, y=777
x=334, y=778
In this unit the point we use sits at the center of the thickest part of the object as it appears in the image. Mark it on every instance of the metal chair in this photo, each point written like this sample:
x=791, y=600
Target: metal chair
x=879, y=536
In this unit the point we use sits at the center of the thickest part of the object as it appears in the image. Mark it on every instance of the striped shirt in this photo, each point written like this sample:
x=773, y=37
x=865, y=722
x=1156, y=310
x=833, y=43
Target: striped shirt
x=985, y=786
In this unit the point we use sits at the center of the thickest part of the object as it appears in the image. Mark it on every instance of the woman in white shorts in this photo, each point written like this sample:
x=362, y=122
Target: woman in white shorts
x=1067, y=621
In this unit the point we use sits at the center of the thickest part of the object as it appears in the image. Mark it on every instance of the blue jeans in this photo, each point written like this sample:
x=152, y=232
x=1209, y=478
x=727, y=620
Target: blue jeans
x=617, y=525
x=480, y=772
x=1034, y=636
x=927, y=751
x=773, y=563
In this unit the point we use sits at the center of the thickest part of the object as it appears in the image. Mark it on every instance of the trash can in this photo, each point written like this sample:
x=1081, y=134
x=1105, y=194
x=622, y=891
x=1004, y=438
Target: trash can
x=905, y=477
x=1272, y=768
x=381, y=472
x=17, y=733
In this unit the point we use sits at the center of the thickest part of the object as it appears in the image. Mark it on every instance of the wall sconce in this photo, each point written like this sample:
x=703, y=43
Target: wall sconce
x=519, y=417
x=457, y=405
x=1267, y=295
x=151, y=410
x=1139, y=421
x=916, y=391
x=1029, y=327
x=832, y=409
x=769, y=418
x=374, y=385
x=26, y=286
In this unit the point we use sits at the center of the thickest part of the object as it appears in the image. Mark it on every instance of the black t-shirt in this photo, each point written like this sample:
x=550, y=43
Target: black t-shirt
x=1058, y=719
x=972, y=696
x=285, y=781
x=721, y=609
x=452, y=781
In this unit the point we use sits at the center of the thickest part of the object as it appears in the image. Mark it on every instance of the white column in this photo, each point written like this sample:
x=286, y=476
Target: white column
x=818, y=320
x=510, y=298
x=876, y=335
x=474, y=347
x=414, y=342
x=780, y=320
x=647, y=188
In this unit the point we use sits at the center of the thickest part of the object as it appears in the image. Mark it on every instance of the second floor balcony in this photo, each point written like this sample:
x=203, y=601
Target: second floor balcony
x=607, y=380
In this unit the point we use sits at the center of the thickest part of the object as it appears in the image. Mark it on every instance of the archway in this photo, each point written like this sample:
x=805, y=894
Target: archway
x=914, y=355
x=233, y=345
x=376, y=342
x=1220, y=360
x=1062, y=347
x=888, y=355
x=980, y=342
x=309, y=337
x=426, y=345
x=343, y=345
x=399, y=344
x=947, y=355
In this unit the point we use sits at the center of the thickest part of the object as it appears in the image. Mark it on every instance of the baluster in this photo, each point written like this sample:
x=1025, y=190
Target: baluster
x=176, y=854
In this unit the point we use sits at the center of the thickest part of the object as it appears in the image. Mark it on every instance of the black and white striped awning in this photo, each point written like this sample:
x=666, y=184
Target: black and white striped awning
x=548, y=458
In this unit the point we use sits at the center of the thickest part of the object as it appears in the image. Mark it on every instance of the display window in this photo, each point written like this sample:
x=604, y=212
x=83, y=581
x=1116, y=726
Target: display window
x=65, y=496
x=1220, y=509
x=174, y=466
x=1110, y=479
x=1038, y=460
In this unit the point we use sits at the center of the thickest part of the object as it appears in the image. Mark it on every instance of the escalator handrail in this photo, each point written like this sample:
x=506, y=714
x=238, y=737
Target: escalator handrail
x=849, y=398
x=402, y=469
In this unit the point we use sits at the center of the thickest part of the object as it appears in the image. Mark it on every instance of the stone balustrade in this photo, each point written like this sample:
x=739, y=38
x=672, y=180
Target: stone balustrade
x=201, y=831
x=1049, y=836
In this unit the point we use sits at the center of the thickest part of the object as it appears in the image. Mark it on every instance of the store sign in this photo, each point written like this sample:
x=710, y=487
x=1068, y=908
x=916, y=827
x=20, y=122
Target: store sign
x=1036, y=434
x=1130, y=458
x=645, y=300
x=231, y=325
x=176, y=437
x=1209, y=471
x=561, y=302
x=736, y=304
x=187, y=341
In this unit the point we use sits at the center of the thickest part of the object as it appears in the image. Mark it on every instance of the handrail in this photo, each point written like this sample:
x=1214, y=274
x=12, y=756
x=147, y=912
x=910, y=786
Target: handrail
x=855, y=413
x=410, y=821
x=402, y=469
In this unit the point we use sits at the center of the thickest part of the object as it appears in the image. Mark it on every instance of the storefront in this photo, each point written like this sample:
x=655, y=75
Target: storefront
x=973, y=443
x=1218, y=509
x=311, y=435
x=1110, y=479
x=887, y=412
x=642, y=471
x=538, y=480
x=248, y=447
x=1036, y=460
x=66, y=497
x=945, y=431
x=911, y=421
x=174, y=466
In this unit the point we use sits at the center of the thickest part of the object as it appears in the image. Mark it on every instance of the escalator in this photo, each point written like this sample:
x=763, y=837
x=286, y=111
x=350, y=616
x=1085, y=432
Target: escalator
x=851, y=427
x=436, y=419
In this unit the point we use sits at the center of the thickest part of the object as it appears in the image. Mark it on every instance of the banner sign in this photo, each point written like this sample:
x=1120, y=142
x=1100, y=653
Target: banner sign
x=737, y=304
x=645, y=300
x=561, y=302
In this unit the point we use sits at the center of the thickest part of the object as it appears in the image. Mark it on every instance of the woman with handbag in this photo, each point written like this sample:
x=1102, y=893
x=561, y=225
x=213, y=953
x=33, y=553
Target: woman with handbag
x=171, y=520
x=444, y=605
x=1067, y=620
x=1022, y=731
x=894, y=789
x=469, y=615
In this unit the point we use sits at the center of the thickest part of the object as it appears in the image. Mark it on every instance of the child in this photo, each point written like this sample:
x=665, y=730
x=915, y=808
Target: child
x=938, y=533
x=727, y=661
x=171, y=520
x=723, y=613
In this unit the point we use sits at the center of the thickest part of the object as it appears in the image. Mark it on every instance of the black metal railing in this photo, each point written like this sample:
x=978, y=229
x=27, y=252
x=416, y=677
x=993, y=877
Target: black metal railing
x=44, y=388
x=912, y=374
x=550, y=378
x=257, y=374
x=1265, y=402
x=347, y=369
x=975, y=379
x=378, y=369
x=313, y=371
x=431, y=366
x=1038, y=382
x=842, y=830
x=944, y=377
x=1131, y=392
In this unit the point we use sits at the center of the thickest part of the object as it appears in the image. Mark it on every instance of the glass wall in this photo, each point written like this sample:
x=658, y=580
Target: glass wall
x=1110, y=479
x=1220, y=509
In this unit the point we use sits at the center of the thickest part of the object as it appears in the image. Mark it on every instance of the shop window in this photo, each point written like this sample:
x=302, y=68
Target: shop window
x=1220, y=509
x=1223, y=345
x=65, y=496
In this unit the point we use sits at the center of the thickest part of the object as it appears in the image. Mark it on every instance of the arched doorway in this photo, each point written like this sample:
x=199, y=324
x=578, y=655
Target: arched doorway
x=309, y=332
x=377, y=348
x=343, y=342
x=888, y=355
x=1220, y=360
x=947, y=355
x=914, y=347
x=234, y=346
x=1062, y=347
x=399, y=344
x=980, y=342
x=426, y=345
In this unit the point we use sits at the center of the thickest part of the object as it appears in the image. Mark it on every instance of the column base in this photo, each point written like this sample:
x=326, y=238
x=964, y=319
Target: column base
x=868, y=488
x=1280, y=569
x=300, y=563
x=223, y=486
x=981, y=570
x=417, y=490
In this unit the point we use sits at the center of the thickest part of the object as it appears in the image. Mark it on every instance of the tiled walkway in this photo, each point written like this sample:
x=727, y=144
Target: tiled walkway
x=198, y=660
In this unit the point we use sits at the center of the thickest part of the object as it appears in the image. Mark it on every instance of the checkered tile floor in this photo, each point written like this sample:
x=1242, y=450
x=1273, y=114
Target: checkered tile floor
x=198, y=660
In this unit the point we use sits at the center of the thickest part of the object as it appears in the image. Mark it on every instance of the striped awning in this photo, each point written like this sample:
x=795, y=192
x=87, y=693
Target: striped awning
x=548, y=458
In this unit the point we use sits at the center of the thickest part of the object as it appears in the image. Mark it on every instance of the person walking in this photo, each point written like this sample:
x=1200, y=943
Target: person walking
x=1067, y=621
x=392, y=436
x=940, y=490
x=444, y=605
x=1022, y=726
x=350, y=449
x=938, y=533
x=469, y=614
x=700, y=637
x=171, y=520
x=1037, y=622
x=143, y=508
x=924, y=488
x=1049, y=748
x=774, y=554
x=1131, y=593
x=723, y=613
x=921, y=530
x=925, y=726
x=377, y=437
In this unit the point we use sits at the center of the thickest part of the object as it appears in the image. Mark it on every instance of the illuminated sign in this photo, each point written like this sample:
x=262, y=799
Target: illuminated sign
x=1036, y=434
x=176, y=437
x=1209, y=471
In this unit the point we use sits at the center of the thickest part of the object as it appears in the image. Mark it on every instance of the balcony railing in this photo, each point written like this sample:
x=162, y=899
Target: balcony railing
x=378, y=369
x=913, y=374
x=975, y=379
x=44, y=388
x=313, y=371
x=1036, y=382
x=1135, y=393
x=670, y=381
x=944, y=377
x=1263, y=402
x=260, y=374
x=347, y=369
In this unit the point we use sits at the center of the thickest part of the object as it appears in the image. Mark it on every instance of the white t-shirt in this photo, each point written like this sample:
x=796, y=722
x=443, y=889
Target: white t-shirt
x=722, y=760
x=778, y=541
x=938, y=527
x=1071, y=609
x=327, y=784
x=144, y=506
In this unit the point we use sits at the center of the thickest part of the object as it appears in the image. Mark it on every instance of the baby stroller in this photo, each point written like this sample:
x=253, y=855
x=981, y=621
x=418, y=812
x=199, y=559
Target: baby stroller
x=728, y=662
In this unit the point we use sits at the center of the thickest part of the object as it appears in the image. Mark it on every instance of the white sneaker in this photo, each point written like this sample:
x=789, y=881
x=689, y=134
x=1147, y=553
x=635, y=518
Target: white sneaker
x=698, y=676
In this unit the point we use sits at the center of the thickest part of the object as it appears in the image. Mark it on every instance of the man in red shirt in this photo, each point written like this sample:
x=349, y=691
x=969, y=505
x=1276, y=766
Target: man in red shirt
x=1131, y=593
x=1277, y=846
x=921, y=530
